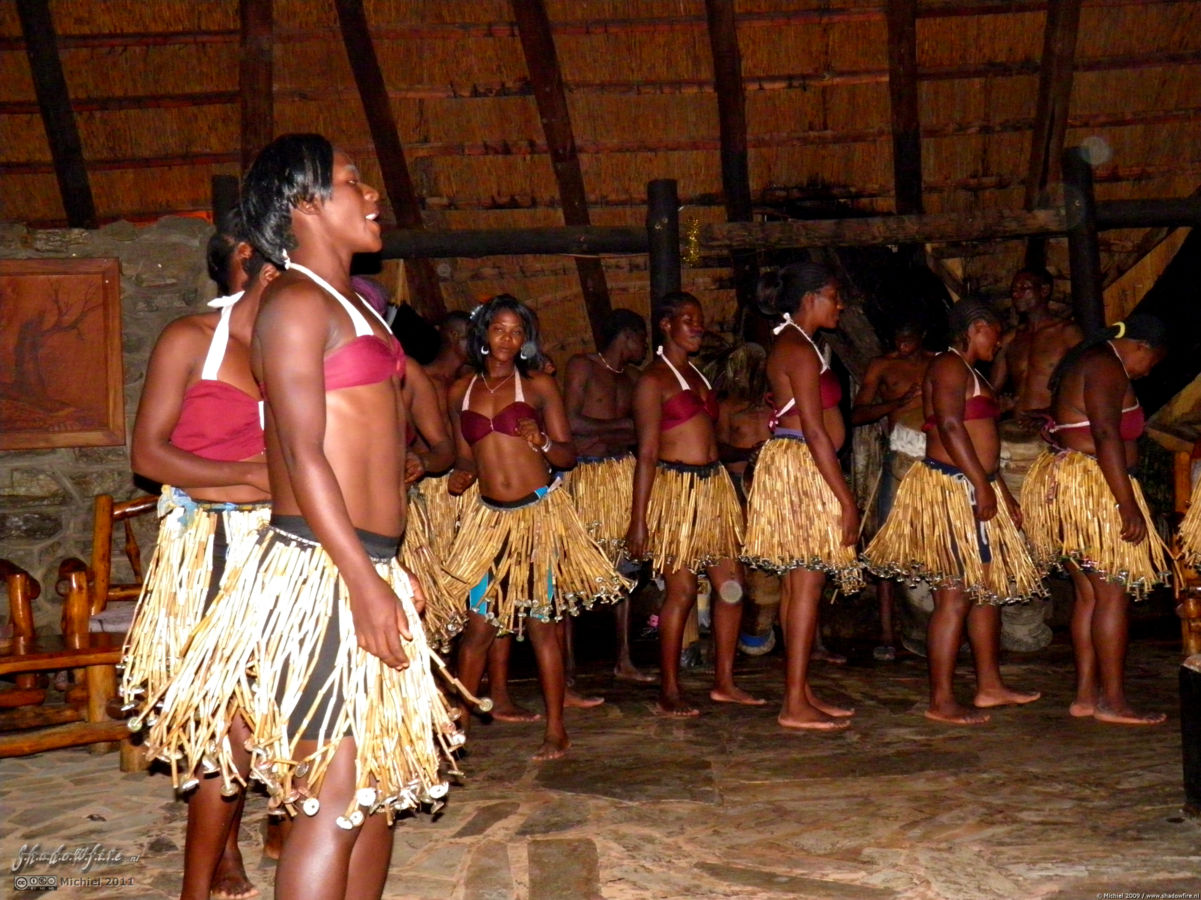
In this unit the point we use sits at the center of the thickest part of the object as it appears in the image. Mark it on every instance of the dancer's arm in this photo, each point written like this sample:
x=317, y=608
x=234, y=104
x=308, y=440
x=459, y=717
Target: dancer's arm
x=648, y=414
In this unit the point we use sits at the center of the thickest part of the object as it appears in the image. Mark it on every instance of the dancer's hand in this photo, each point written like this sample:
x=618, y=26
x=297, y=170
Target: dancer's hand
x=414, y=468
x=850, y=525
x=1015, y=510
x=380, y=622
x=1134, y=526
x=528, y=429
x=636, y=540
x=986, y=502
x=418, y=594
x=459, y=481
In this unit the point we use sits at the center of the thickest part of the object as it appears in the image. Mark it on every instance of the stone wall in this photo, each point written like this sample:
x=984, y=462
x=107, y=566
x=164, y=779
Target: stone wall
x=46, y=495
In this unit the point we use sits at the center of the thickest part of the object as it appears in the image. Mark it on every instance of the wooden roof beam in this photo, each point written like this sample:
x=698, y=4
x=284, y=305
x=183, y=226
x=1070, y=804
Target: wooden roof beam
x=256, y=77
x=902, y=91
x=731, y=116
x=542, y=63
x=1051, y=117
x=54, y=102
x=424, y=286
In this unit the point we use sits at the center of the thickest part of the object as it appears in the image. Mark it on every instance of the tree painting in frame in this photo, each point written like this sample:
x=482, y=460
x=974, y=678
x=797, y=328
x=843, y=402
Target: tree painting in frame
x=61, y=374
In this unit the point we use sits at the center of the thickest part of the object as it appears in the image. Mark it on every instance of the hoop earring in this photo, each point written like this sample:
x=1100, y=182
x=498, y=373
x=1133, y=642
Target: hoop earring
x=484, y=351
x=528, y=350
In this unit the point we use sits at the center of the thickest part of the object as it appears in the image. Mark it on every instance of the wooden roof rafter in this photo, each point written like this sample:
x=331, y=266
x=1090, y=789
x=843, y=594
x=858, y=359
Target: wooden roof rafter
x=542, y=63
x=902, y=90
x=1051, y=117
x=256, y=77
x=422, y=280
x=731, y=116
x=58, y=118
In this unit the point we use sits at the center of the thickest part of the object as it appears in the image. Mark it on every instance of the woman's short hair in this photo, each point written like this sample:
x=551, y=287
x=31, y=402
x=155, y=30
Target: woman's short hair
x=967, y=313
x=481, y=320
x=292, y=169
x=781, y=291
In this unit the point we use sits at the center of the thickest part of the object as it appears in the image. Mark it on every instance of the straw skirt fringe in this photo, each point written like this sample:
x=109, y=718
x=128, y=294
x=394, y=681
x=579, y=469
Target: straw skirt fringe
x=538, y=558
x=1070, y=515
x=177, y=583
x=256, y=653
x=693, y=519
x=445, y=613
x=603, y=492
x=442, y=510
x=1190, y=530
x=793, y=518
x=932, y=535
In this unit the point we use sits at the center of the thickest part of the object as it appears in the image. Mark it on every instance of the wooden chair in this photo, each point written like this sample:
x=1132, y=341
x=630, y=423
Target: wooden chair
x=1188, y=586
x=87, y=715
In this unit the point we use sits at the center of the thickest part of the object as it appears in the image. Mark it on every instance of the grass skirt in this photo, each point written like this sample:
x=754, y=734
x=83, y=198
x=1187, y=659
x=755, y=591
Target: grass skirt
x=177, y=584
x=256, y=652
x=932, y=534
x=445, y=613
x=1190, y=530
x=538, y=558
x=1071, y=515
x=793, y=517
x=603, y=491
x=442, y=511
x=693, y=519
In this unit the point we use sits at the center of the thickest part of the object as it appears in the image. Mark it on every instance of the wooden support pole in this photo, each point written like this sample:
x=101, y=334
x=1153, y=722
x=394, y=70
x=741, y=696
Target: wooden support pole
x=54, y=101
x=663, y=233
x=1084, y=252
x=902, y=90
x=225, y=190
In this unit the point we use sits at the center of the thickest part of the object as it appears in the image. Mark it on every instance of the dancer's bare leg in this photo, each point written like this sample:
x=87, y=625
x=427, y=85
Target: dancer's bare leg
x=475, y=644
x=799, y=595
x=317, y=860
x=549, y=654
x=572, y=699
x=1084, y=605
x=625, y=670
x=729, y=589
x=212, y=860
x=1110, y=638
x=503, y=707
x=678, y=601
x=984, y=634
x=943, y=636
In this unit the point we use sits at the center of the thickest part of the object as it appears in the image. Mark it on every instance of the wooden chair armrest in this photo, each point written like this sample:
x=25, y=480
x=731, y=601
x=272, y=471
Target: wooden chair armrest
x=23, y=589
x=10, y=570
x=66, y=569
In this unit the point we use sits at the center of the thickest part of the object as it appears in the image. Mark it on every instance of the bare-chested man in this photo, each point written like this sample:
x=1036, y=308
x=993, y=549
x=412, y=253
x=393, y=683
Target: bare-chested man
x=1030, y=352
x=892, y=388
x=599, y=395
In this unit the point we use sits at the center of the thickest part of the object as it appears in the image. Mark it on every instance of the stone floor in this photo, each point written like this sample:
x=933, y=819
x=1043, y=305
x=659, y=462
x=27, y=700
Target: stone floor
x=1033, y=805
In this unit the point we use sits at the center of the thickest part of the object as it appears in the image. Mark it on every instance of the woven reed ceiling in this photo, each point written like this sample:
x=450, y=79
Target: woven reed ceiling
x=156, y=96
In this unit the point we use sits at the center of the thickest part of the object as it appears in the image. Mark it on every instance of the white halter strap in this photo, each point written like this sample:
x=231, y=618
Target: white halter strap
x=216, y=351
x=788, y=321
x=361, y=326
x=975, y=375
x=684, y=386
x=518, y=395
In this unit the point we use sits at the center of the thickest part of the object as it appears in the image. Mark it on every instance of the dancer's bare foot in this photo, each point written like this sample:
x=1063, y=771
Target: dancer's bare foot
x=627, y=672
x=837, y=712
x=230, y=881
x=552, y=748
x=834, y=659
x=1124, y=715
x=674, y=706
x=812, y=719
x=1082, y=709
x=735, y=695
x=511, y=712
x=1004, y=697
x=574, y=700
x=954, y=714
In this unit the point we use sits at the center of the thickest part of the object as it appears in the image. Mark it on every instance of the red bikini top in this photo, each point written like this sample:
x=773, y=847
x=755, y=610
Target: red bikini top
x=217, y=420
x=687, y=404
x=977, y=406
x=1130, y=428
x=828, y=385
x=369, y=358
x=477, y=426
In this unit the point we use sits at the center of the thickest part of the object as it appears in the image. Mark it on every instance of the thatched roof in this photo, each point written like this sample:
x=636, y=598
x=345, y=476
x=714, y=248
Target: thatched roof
x=552, y=112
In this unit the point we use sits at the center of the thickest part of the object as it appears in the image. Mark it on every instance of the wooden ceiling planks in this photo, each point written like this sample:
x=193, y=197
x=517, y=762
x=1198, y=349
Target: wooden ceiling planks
x=256, y=76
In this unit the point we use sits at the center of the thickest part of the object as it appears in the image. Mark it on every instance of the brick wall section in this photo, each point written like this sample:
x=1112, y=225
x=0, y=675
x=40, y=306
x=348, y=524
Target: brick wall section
x=46, y=495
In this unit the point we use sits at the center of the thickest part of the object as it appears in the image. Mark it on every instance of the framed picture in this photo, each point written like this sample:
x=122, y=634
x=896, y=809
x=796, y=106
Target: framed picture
x=61, y=374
